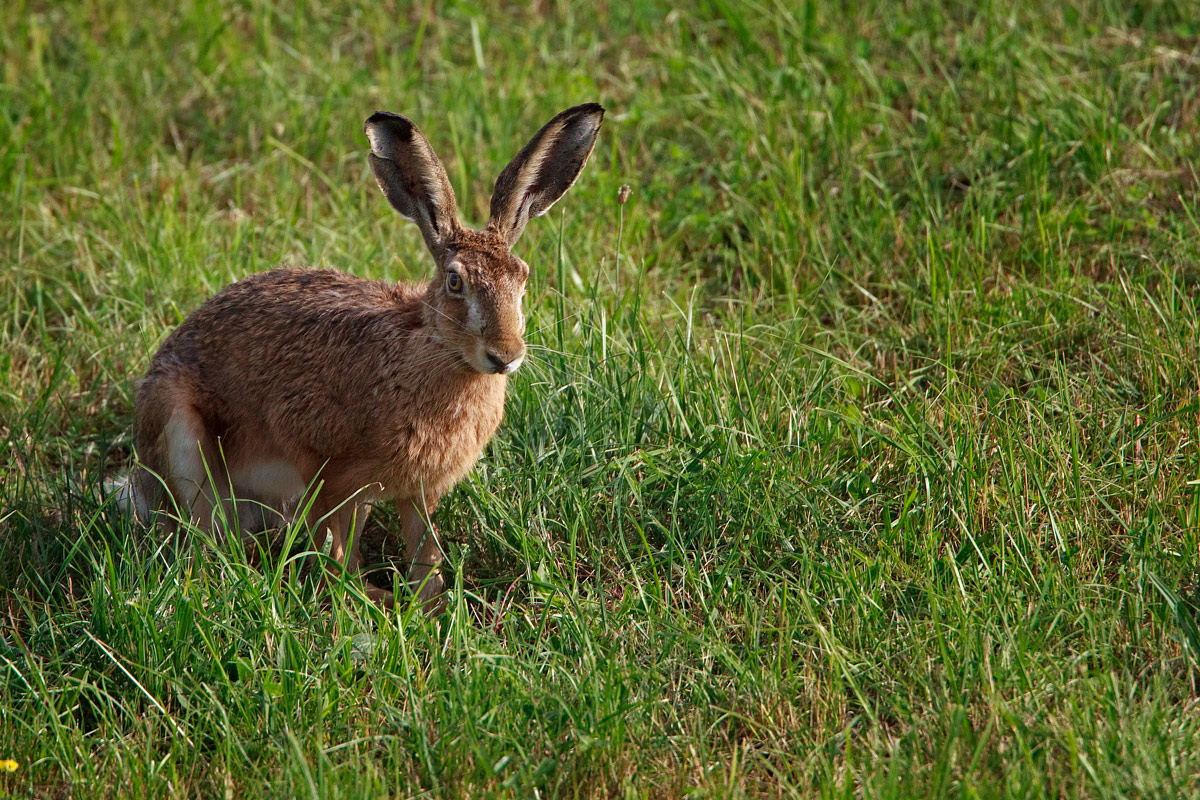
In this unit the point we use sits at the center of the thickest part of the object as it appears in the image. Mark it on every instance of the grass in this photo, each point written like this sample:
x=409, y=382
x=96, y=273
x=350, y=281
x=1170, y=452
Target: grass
x=856, y=455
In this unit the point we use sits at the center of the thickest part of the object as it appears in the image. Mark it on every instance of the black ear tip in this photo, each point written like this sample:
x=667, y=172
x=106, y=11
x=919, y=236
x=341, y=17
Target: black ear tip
x=396, y=125
x=589, y=108
x=581, y=112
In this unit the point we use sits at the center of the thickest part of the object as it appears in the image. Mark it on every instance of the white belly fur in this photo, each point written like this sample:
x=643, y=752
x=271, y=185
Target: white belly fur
x=276, y=484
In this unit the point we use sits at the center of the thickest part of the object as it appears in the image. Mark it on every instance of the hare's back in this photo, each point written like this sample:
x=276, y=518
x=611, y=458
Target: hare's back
x=289, y=348
x=293, y=296
x=288, y=314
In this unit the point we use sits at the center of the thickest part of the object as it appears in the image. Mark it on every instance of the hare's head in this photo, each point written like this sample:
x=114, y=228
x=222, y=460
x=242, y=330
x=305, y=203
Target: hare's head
x=474, y=302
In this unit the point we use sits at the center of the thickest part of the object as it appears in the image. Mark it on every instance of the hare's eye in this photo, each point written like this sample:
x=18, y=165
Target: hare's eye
x=454, y=282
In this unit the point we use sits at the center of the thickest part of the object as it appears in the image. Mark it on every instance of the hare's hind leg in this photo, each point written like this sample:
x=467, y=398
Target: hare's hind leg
x=194, y=465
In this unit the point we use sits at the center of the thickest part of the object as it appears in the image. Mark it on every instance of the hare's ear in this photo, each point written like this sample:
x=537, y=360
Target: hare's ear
x=411, y=177
x=543, y=170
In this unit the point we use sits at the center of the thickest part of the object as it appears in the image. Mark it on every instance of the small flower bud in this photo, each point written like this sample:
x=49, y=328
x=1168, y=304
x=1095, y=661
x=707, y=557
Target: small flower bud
x=623, y=193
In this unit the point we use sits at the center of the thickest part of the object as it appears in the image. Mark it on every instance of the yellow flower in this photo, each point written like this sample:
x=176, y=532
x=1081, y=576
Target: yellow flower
x=8, y=765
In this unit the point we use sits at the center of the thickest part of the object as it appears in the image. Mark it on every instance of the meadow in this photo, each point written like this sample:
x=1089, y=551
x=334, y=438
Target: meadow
x=855, y=454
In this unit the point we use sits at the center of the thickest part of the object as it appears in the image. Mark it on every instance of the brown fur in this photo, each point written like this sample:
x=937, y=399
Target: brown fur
x=294, y=378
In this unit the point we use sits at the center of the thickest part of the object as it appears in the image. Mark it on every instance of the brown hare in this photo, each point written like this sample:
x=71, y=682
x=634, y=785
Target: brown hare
x=298, y=378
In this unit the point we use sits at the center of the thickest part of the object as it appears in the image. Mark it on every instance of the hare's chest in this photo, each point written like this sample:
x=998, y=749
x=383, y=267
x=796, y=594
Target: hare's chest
x=434, y=453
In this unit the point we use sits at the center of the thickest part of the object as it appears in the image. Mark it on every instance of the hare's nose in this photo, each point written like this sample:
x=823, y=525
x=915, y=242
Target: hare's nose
x=504, y=366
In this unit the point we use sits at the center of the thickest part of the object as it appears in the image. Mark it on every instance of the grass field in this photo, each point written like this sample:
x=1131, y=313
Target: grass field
x=856, y=455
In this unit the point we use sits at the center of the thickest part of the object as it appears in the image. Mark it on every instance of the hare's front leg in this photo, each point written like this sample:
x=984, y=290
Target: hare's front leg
x=345, y=526
x=423, y=552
